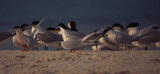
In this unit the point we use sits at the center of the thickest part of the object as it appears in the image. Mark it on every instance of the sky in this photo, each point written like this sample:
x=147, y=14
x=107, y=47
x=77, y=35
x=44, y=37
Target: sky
x=88, y=14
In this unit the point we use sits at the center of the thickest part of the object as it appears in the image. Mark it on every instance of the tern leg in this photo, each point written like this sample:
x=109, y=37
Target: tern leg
x=24, y=48
x=36, y=48
x=121, y=47
x=125, y=48
x=146, y=48
x=61, y=49
x=81, y=49
x=71, y=50
x=128, y=47
x=45, y=47
x=58, y=49
x=27, y=48
x=97, y=47
x=117, y=47
x=75, y=49
x=78, y=48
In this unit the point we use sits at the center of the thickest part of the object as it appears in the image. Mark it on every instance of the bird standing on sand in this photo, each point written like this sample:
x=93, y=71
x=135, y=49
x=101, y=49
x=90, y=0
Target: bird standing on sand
x=50, y=38
x=20, y=40
x=122, y=37
x=72, y=41
x=149, y=40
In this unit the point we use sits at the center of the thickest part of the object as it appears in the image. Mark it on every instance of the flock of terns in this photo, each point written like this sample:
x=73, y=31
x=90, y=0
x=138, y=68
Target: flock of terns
x=113, y=37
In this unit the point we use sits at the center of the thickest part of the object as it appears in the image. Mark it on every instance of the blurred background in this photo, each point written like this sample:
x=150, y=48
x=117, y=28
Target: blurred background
x=88, y=14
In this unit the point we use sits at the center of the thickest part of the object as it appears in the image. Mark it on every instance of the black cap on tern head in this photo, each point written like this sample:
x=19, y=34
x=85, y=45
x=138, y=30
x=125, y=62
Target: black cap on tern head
x=16, y=27
x=132, y=25
x=106, y=30
x=95, y=30
x=72, y=26
x=35, y=22
x=24, y=25
x=72, y=23
x=62, y=25
x=117, y=25
x=50, y=28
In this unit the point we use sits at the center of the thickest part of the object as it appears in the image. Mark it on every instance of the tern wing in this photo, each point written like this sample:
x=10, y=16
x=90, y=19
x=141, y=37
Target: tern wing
x=145, y=30
x=49, y=37
x=5, y=35
x=93, y=37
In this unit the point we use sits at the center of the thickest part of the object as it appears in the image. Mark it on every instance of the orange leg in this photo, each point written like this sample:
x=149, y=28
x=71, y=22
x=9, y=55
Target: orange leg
x=27, y=48
x=24, y=48
x=71, y=50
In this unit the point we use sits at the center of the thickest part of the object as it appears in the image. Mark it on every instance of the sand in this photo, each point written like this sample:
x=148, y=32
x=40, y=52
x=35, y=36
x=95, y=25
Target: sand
x=82, y=62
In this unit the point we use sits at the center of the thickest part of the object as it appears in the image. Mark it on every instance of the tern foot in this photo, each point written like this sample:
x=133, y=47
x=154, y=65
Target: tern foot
x=72, y=50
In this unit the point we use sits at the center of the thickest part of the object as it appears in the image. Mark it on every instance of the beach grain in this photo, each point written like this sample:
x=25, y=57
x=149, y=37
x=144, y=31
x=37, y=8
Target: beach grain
x=82, y=62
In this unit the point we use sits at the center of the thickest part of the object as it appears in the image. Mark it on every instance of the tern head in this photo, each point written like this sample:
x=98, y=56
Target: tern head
x=50, y=29
x=72, y=26
x=34, y=23
x=95, y=30
x=24, y=26
x=62, y=26
x=106, y=30
x=132, y=25
x=17, y=27
x=117, y=27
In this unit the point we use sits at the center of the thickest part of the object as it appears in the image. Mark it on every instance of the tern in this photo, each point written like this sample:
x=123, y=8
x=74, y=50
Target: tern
x=72, y=26
x=132, y=28
x=72, y=40
x=149, y=40
x=50, y=38
x=122, y=37
x=117, y=27
x=21, y=40
x=106, y=41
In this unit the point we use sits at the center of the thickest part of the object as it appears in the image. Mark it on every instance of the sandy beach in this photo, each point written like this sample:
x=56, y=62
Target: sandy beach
x=83, y=62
